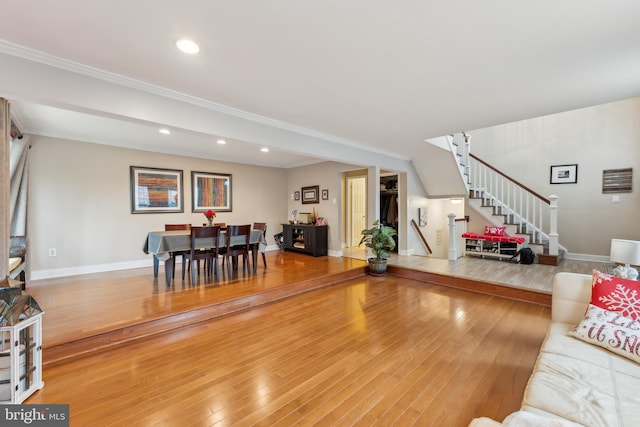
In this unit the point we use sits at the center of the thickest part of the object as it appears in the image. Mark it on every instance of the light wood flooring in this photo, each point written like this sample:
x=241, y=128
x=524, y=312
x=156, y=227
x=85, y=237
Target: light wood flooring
x=350, y=349
x=369, y=351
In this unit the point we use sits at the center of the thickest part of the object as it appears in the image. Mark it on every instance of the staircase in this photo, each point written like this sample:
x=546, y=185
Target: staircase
x=504, y=201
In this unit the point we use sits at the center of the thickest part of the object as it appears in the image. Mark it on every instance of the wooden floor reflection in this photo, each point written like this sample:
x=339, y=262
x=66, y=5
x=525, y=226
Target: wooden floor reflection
x=369, y=351
x=89, y=312
x=117, y=306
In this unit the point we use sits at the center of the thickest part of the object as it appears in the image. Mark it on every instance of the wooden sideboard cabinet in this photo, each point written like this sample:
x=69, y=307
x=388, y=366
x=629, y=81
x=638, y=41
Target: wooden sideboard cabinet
x=306, y=238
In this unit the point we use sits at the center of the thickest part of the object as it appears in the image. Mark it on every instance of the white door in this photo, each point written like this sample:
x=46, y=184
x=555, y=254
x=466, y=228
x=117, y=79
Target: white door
x=357, y=208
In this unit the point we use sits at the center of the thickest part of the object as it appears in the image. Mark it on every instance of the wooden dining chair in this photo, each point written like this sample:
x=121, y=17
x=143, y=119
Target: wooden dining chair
x=209, y=254
x=171, y=227
x=231, y=252
x=261, y=226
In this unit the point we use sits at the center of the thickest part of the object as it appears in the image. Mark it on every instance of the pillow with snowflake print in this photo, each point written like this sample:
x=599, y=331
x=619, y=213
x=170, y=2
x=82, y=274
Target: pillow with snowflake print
x=610, y=330
x=616, y=294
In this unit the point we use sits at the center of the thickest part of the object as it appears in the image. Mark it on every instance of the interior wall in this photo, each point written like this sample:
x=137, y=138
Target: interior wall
x=328, y=176
x=596, y=138
x=80, y=204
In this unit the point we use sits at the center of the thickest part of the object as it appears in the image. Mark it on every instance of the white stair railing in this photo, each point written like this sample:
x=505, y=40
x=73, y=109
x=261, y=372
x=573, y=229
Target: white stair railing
x=522, y=206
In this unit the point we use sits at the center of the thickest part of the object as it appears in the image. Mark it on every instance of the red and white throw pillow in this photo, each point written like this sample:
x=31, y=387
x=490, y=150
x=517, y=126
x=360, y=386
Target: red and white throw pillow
x=610, y=330
x=491, y=230
x=616, y=294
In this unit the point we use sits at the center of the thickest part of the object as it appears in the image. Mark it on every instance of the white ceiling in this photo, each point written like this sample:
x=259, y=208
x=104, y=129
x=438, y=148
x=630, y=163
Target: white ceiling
x=308, y=79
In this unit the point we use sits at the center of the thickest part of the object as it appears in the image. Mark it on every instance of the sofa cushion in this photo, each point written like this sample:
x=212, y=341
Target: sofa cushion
x=583, y=383
x=616, y=294
x=530, y=419
x=610, y=330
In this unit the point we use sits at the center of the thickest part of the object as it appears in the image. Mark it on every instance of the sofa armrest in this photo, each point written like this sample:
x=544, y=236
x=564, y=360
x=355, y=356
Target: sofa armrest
x=570, y=298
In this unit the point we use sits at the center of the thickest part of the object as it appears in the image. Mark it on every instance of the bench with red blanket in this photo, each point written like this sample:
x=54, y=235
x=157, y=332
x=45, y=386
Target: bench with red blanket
x=501, y=245
x=492, y=238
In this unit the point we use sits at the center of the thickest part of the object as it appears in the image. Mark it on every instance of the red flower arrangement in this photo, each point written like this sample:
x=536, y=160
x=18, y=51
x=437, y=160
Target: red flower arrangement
x=210, y=215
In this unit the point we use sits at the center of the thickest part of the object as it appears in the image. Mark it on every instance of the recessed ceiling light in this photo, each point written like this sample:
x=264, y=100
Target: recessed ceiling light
x=221, y=141
x=188, y=46
x=264, y=149
x=164, y=131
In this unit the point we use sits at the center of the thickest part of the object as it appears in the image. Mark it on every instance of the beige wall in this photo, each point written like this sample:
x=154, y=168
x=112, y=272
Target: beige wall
x=327, y=175
x=596, y=138
x=80, y=204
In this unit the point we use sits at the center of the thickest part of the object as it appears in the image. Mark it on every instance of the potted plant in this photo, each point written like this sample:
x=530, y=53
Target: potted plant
x=379, y=238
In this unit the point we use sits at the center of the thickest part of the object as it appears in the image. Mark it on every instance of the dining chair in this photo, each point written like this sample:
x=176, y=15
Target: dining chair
x=171, y=227
x=261, y=226
x=231, y=252
x=209, y=254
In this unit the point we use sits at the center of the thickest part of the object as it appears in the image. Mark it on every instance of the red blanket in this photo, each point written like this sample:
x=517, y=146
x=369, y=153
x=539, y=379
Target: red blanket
x=490, y=238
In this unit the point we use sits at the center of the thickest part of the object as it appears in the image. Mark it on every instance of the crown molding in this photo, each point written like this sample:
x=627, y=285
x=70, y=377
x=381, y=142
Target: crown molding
x=36, y=56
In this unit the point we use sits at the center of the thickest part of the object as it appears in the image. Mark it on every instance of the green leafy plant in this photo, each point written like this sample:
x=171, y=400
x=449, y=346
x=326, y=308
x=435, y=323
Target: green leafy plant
x=380, y=239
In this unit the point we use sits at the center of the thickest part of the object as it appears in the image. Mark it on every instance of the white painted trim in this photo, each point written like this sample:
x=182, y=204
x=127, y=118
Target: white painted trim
x=75, y=67
x=588, y=257
x=101, y=268
x=88, y=269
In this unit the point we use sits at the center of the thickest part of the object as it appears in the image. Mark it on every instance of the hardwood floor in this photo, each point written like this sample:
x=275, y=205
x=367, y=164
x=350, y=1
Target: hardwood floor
x=350, y=349
x=90, y=312
x=369, y=351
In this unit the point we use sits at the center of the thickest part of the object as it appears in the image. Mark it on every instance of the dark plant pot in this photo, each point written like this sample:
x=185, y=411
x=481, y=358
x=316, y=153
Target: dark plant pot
x=377, y=267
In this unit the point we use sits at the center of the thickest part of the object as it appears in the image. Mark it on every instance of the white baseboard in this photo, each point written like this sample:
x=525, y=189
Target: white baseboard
x=101, y=268
x=88, y=269
x=587, y=257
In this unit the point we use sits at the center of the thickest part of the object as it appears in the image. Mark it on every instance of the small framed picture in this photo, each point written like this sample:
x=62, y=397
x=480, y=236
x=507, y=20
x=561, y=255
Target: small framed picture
x=296, y=195
x=325, y=194
x=564, y=174
x=422, y=217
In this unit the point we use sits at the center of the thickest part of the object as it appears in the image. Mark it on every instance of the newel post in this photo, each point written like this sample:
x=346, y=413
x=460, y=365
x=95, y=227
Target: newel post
x=553, y=225
x=453, y=238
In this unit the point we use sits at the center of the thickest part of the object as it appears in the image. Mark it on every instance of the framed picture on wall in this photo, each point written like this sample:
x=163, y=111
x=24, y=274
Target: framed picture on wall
x=310, y=194
x=211, y=191
x=422, y=217
x=296, y=195
x=564, y=174
x=325, y=194
x=156, y=190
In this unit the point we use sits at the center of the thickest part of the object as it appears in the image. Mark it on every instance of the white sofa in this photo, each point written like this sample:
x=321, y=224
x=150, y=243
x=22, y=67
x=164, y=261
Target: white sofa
x=574, y=382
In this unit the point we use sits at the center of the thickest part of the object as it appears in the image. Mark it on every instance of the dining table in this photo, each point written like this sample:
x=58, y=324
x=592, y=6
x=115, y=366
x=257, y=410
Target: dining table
x=161, y=243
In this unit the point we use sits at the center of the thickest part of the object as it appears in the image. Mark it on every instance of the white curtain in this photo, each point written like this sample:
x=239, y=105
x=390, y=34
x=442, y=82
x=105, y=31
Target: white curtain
x=19, y=169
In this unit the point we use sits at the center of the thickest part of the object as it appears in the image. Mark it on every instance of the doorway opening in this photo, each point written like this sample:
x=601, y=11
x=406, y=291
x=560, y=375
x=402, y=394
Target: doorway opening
x=389, y=207
x=355, y=215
